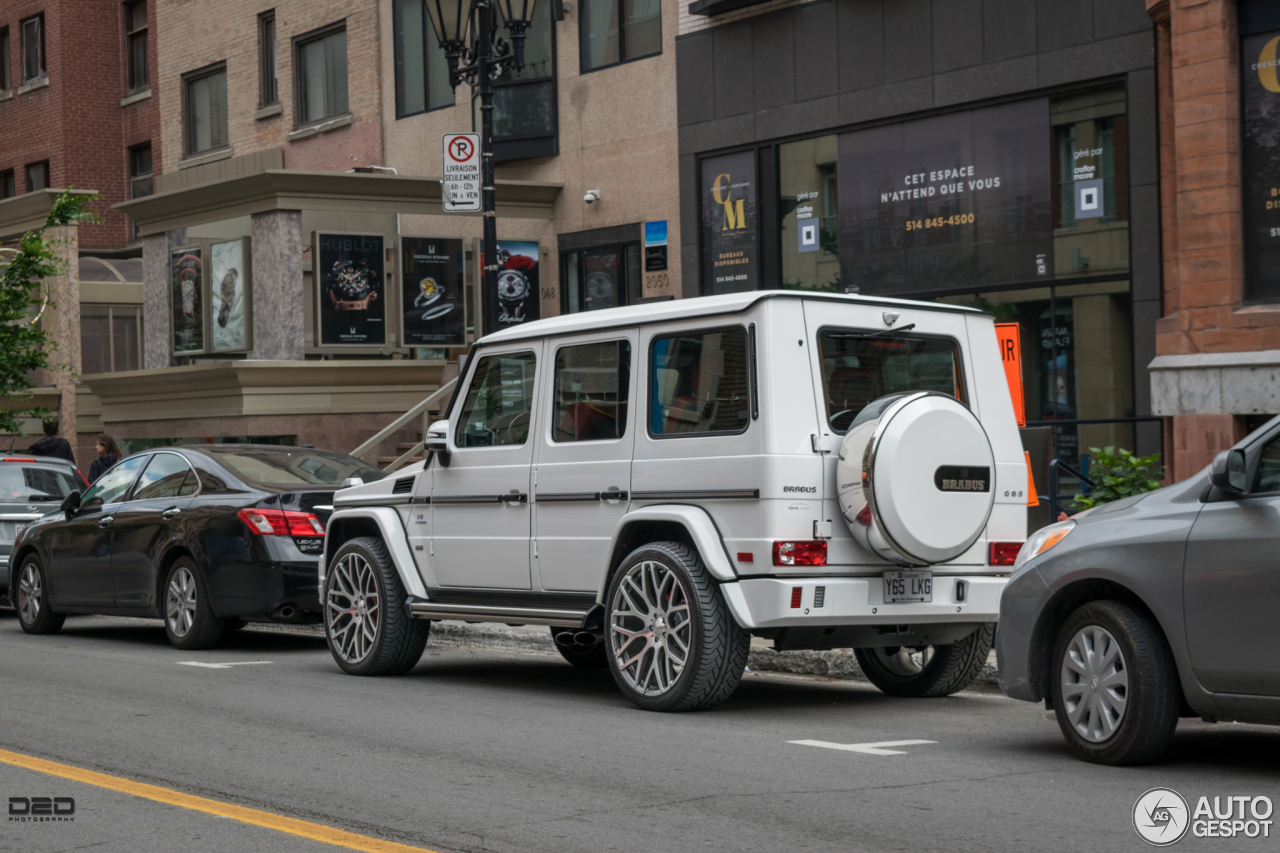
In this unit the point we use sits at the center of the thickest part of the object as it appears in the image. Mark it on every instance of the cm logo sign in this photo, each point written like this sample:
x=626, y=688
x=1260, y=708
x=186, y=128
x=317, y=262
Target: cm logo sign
x=735, y=215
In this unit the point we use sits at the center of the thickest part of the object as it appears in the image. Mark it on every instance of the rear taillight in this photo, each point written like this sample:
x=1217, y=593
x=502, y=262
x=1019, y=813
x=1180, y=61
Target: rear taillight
x=20, y=459
x=1003, y=553
x=812, y=553
x=275, y=522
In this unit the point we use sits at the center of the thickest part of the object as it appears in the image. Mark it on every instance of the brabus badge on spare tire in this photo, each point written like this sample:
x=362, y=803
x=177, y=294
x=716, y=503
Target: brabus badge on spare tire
x=956, y=478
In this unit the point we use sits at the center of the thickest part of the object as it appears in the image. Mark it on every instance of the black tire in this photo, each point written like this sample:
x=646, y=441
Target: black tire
x=362, y=571
x=233, y=624
x=717, y=647
x=951, y=668
x=587, y=657
x=31, y=598
x=1153, y=694
x=185, y=592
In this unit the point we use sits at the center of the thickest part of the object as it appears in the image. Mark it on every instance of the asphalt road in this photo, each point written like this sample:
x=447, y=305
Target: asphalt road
x=489, y=750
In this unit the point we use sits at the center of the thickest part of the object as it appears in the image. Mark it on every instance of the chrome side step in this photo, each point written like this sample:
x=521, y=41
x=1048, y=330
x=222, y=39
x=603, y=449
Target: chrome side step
x=560, y=618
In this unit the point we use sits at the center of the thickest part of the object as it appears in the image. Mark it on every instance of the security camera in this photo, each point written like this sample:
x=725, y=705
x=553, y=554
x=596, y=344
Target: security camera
x=592, y=196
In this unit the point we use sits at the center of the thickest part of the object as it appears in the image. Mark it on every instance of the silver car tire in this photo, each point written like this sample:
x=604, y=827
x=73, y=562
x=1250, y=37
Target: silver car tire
x=187, y=608
x=30, y=597
x=366, y=621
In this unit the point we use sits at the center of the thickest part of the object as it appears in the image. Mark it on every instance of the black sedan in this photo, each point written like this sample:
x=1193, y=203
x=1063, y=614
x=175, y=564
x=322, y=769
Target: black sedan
x=205, y=537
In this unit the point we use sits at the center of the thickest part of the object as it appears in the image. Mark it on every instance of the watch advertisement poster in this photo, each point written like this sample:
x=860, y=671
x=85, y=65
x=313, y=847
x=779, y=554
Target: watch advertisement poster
x=1260, y=156
x=730, y=225
x=352, y=291
x=956, y=200
x=187, y=271
x=517, y=298
x=431, y=281
x=227, y=285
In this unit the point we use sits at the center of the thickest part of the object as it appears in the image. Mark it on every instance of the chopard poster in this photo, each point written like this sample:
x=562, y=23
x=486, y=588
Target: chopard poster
x=517, y=298
x=730, y=244
x=352, y=292
x=432, y=295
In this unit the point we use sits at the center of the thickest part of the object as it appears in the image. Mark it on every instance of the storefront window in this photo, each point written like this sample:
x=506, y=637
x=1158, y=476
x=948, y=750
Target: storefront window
x=603, y=277
x=807, y=206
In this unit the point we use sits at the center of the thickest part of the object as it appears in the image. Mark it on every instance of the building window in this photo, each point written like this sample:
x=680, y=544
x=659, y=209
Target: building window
x=7, y=188
x=32, y=48
x=422, y=72
x=268, y=62
x=807, y=204
x=135, y=25
x=617, y=31
x=110, y=338
x=601, y=277
x=524, y=103
x=140, y=171
x=37, y=176
x=322, y=75
x=6, y=79
x=206, y=98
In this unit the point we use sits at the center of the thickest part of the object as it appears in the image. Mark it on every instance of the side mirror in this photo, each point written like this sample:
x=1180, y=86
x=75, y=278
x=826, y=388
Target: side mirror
x=71, y=503
x=1228, y=471
x=437, y=442
x=352, y=481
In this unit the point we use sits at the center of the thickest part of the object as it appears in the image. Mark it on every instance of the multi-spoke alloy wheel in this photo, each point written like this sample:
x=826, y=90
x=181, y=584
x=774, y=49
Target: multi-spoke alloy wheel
x=927, y=671
x=650, y=632
x=366, y=617
x=1116, y=692
x=1095, y=683
x=32, y=601
x=180, y=601
x=672, y=643
x=351, y=608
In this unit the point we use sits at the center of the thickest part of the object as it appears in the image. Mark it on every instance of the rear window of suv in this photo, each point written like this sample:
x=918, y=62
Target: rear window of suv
x=859, y=366
x=22, y=483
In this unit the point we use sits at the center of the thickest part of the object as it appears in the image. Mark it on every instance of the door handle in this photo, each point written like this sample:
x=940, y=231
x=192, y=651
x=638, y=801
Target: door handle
x=170, y=513
x=613, y=494
x=105, y=521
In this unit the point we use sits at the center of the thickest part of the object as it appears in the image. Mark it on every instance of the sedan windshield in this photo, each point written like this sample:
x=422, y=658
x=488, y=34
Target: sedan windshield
x=291, y=467
x=22, y=483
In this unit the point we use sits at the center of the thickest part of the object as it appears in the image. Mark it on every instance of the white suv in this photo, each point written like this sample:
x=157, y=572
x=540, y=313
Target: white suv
x=660, y=483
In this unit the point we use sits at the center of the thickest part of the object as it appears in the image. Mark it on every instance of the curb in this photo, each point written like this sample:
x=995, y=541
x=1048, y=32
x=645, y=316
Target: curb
x=838, y=664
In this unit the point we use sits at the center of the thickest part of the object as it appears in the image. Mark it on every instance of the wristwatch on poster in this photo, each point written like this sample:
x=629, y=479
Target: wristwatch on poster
x=513, y=287
x=350, y=286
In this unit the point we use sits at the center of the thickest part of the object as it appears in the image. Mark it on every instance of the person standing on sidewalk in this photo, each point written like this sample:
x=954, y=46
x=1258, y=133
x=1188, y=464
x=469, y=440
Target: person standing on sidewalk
x=108, y=455
x=51, y=445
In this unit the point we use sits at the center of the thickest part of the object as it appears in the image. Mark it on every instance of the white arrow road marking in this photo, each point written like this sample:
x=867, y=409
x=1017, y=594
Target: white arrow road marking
x=865, y=748
x=221, y=665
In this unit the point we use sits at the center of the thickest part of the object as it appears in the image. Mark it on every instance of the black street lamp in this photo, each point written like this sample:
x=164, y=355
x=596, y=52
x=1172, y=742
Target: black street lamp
x=468, y=35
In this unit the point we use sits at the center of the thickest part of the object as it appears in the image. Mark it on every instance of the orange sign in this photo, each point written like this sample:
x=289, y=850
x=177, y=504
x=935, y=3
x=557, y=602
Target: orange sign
x=1011, y=355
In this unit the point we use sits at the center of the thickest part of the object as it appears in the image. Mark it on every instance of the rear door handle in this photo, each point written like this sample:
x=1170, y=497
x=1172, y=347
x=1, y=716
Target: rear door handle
x=170, y=513
x=105, y=521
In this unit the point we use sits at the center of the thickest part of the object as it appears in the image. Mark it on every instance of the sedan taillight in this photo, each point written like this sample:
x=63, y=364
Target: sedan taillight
x=276, y=522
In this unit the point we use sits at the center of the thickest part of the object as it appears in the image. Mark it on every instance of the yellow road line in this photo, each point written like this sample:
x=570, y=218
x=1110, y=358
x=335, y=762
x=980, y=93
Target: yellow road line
x=257, y=817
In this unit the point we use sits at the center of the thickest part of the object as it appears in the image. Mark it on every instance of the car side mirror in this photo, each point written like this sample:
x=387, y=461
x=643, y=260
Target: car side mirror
x=1229, y=472
x=71, y=503
x=437, y=442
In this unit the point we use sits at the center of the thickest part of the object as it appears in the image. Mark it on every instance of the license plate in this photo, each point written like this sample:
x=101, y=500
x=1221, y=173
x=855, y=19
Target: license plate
x=908, y=587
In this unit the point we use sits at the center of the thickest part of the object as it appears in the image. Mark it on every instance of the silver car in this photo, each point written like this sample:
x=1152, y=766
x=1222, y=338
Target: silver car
x=1154, y=607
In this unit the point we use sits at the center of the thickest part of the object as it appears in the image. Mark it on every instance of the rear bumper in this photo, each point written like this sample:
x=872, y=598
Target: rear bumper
x=766, y=602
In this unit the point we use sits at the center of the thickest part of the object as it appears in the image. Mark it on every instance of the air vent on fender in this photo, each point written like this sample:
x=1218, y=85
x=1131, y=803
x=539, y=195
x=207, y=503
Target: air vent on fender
x=403, y=486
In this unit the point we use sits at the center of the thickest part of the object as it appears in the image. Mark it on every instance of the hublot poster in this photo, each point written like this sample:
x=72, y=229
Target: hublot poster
x=730, y=224
x=352, y=297
x=963, y=199
x=431, y=292
x=1260, y=101
x=517, y=298
x=187, y=272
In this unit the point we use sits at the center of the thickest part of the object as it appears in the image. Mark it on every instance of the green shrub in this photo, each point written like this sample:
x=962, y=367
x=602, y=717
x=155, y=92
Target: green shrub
x=1118, y=474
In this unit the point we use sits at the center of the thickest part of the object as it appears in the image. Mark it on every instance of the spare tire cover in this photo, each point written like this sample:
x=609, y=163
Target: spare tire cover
x=914, y=478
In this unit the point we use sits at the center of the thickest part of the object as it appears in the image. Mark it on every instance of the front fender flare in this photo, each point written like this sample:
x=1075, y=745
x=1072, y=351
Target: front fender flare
x=702, y=530
x=391, y=527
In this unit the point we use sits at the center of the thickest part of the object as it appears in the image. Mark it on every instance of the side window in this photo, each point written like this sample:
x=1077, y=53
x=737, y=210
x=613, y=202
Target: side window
x=164, y=477
x=499, y=404
x=1268, y=476
x=112, y=485
x=858, y=368
x=699, y=383
x=590, y=394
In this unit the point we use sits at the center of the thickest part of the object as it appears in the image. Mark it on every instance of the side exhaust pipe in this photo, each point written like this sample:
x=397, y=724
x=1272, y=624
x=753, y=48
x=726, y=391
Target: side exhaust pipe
x=581, y=639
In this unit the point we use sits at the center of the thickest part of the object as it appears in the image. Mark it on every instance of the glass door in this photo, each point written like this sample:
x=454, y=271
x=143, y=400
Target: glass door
x=601, y=277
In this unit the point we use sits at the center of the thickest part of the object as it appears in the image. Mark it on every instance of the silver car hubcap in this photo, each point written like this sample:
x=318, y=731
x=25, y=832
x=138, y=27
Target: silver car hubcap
x=650, y=630
x=906, y=661
x=29, y=593
x=1095, y=684
x=352, y=613
x=180, y=602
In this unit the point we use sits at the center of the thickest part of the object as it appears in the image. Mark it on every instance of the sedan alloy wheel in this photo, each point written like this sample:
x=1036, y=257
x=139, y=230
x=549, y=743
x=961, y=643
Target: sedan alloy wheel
x=180, y=602
x=30, y=593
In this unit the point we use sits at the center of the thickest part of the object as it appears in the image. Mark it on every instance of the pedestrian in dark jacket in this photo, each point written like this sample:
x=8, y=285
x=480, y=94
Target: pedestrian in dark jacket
x=108, y=455
x=51, y=445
